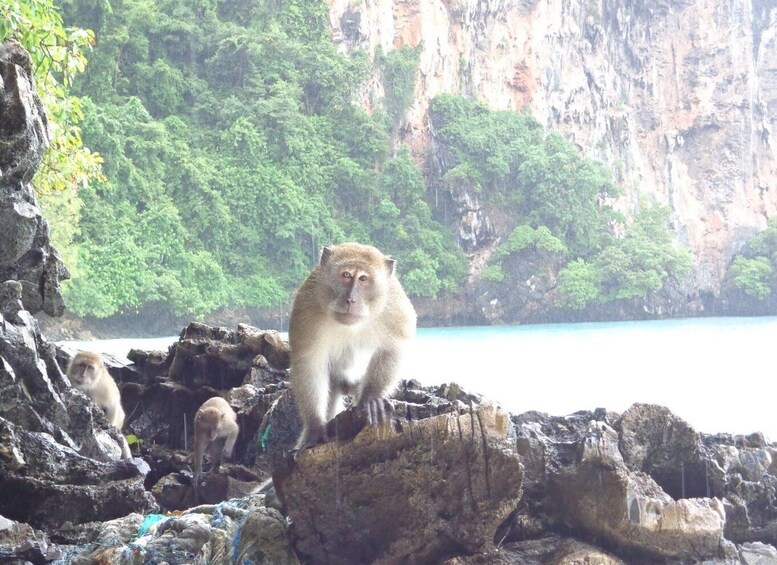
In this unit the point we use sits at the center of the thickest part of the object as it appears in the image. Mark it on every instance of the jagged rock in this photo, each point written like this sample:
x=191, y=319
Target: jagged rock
x=600, y=495
x=47, y=484
x=657, y=442
x=26, y=254
x=551, y=549
x=176, y=491
x=440, y=487
x=22, y=544
x=59, y=458
x=599, y=476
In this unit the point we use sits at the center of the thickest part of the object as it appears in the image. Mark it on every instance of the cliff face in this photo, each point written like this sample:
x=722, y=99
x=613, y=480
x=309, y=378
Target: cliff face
x=679, y=97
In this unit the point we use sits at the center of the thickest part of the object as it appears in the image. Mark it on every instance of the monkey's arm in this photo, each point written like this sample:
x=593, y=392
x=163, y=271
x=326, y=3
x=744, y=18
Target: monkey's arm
x=378, y=384
x=199, y=453
x=310, y=386
x=115, y=414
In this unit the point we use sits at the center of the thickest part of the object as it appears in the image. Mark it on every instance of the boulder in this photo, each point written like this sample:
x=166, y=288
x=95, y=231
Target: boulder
x=438, y=488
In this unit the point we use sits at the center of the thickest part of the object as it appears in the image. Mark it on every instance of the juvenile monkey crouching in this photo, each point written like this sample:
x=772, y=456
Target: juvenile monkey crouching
x=350, y=326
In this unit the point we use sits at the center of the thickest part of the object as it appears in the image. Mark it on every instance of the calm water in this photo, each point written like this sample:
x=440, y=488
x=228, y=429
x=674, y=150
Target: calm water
x=716, y=373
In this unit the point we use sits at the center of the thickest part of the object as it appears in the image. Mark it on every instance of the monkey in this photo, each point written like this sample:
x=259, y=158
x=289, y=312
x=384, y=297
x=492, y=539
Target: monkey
x=215, y=428
x=350, y=325
x=88, y=373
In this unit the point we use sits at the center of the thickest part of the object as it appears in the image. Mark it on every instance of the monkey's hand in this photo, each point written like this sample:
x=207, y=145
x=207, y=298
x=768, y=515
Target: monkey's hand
x=379, y=411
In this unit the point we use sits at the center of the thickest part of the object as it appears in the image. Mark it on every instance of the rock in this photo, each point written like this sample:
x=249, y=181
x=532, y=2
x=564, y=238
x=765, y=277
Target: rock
x=550, y=549
x=21, y=543
x=26, y=254
x=441, y=486
x=176, y=492
x=59, y=458
x=657, y=442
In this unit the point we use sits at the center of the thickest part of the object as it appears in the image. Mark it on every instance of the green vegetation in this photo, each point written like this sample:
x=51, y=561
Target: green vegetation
x=399, y=68
x=558, y=203
x=233, y=153
x=753, y=270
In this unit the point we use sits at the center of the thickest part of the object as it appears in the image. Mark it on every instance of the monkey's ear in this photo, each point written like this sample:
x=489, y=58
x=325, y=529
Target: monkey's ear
x=390, y=265
x=325, y=254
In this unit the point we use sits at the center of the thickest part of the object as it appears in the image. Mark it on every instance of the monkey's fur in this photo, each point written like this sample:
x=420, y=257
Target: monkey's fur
x=215, y=428
x=88, y=373
x=350, y=324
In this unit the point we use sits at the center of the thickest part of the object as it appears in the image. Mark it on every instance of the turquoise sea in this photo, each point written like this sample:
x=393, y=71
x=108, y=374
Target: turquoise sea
x=719, y=374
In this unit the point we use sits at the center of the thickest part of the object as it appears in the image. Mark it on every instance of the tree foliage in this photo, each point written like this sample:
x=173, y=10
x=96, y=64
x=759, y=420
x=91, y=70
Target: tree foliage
x=557, y=201
x=233, y=152
x=753, y=269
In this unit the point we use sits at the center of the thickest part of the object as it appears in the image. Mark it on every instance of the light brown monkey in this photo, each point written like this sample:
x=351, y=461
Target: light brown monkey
x=215, y=428
x=88, y=373
x=349, y=327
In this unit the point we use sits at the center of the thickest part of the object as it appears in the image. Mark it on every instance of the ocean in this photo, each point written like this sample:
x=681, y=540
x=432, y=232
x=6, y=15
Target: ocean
x=718, y=374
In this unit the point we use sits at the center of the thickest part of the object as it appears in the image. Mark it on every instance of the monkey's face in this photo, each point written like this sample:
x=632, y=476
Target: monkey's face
x=82, y=373
x=353, y=281
x=207, y=423
x=356, y=291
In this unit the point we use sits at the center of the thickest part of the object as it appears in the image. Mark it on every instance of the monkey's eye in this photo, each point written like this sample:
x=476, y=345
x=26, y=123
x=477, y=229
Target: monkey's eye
x=347, y=275
x=363, y=278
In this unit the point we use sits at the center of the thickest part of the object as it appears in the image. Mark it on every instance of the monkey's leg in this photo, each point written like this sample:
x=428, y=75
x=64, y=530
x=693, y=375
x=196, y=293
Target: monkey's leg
x=199, y=453
x=229, y=445
x=214, y=451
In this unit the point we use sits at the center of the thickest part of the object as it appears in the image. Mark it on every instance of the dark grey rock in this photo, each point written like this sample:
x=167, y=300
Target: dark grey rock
x=26, y=254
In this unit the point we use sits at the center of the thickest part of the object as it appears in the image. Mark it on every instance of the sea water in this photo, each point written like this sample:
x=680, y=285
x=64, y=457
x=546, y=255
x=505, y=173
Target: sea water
x=718, y=374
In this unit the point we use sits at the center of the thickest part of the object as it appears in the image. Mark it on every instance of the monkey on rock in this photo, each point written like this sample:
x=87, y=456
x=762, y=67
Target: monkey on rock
x=350, y=326
x=215, y=430
x=87, y=373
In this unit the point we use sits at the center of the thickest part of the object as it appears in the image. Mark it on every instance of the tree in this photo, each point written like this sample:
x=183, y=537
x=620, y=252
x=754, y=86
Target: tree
x=754, y=277
x=579, y=284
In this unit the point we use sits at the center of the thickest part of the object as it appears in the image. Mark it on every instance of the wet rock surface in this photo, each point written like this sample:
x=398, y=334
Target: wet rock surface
x=440, y=487
x=26, y=253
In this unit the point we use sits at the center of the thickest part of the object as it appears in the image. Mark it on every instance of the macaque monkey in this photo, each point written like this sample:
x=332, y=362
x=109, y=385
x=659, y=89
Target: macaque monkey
x=215, y=428
x=349, y=327
x=88, y=373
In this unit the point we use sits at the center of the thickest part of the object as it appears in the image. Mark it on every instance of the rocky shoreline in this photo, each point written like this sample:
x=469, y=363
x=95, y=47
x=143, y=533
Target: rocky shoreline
x=455, y=480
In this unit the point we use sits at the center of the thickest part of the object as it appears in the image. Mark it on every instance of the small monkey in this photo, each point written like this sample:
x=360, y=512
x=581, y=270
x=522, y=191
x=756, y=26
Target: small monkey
x=215, y=428
x=350, y=324
x=88, y=373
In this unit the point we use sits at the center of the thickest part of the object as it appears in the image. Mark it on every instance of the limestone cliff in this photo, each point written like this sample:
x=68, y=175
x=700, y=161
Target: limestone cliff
x=677, y=96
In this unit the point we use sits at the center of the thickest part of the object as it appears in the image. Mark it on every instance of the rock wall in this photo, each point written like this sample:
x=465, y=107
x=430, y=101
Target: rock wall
x=26, y=254
x=59, y=457
x=677, y=96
